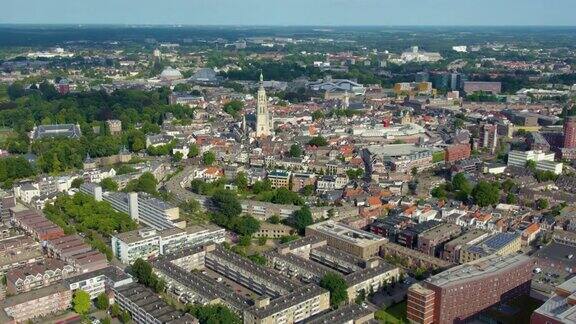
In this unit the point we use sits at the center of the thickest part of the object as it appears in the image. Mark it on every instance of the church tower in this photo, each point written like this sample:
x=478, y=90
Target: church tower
x=262, y=113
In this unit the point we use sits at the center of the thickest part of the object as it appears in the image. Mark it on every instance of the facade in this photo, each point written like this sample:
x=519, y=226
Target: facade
x=98, y=281
x=488, y=137
x=36, y=276
x=456, y=152
x=479, y=86
x=431, y=241
x=114, y=126
x=263, y=120
x=544, y=161
x=570, y=133
x=301, y=180
x=148, y=243
x=35, y=224
x=73, y=250
x=356, y=242
x=279, y=179
x=37, y=303
x=458, y=294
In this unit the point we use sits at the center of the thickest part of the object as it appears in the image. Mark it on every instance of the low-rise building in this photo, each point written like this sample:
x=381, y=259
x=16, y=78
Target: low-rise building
x=499, y=243
x=37, y=275
x=279, y=179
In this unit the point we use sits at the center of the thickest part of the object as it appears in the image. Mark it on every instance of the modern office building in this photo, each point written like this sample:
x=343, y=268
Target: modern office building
x=458, y=294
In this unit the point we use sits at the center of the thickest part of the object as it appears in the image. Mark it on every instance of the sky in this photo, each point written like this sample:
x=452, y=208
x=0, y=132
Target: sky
x=291, y=12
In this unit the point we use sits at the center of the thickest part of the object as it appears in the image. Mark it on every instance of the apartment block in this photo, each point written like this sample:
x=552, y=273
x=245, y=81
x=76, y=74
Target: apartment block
x=36, y=304
x=279, y=179
x=350, y=240
x=148, y=243
x=145, y=307
x=458, y=294
x=35, y=224
x=73, y=250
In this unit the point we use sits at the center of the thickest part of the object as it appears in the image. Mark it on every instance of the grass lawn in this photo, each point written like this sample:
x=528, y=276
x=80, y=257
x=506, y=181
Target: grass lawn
x=395, y=314
x=524, y=307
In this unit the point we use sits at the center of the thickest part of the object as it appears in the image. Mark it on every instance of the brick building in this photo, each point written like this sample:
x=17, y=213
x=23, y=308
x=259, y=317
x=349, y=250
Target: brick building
x=456, y=152
x=458, y=294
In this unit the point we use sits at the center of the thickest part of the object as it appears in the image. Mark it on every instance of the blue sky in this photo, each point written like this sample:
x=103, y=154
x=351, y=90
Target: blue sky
x=291, y=12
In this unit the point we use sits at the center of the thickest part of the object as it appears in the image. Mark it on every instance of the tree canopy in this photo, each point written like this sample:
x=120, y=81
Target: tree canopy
x=337, y=286
x=81, y=302
x=142, y=270
x=486, y=194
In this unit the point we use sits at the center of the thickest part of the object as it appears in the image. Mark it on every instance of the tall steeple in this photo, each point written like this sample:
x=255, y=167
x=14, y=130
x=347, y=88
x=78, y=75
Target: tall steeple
x=262, y=113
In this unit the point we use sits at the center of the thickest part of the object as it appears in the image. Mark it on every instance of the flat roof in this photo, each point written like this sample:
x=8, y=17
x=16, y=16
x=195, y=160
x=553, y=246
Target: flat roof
x=488, y=266
x=347, y=233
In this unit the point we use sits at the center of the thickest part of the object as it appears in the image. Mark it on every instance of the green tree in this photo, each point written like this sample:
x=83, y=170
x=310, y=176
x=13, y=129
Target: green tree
x=486, y=194
x=542, y=203
x=241, y=181
x=318, y=141
x=125, y=317
x=337, y=287
x=228, y=207
x=531, y=165
x=295, y=150
x=142, y=271
x=246, y=225
x=145, y=183
x=233, y=107
x=177, y=157
x=194, y=151
x=208, y=158
x=81, y=302
x=108, y=184
x=511, y=198
x=115, y=310
x=317, y=115
x=102, y=301
x=76, y=183
x=274, y=219
x=302, y=218
x=214, y=314
x=308, y=190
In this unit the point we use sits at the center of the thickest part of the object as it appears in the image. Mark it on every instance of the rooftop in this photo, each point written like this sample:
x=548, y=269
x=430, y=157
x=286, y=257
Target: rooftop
x=488, y=266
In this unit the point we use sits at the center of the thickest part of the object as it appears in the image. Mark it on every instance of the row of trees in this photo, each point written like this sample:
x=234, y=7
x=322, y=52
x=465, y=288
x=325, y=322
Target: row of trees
x=484, y=193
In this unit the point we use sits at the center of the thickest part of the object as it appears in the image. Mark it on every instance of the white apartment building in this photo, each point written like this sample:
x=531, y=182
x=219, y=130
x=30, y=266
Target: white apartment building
x=147, y=242
x=544, y=161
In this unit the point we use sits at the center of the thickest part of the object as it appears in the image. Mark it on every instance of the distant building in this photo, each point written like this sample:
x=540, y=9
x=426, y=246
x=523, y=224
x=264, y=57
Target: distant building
x=35, y=304
x=544, y=162
x=570, y=132
x=456, y=152
x=356, y=242
x=499, y=243
x=482, y=86
x=114, y=126
x=56, y=130
x=37, y=275
x=458, y=294
x=279, y=179
x=488, y=137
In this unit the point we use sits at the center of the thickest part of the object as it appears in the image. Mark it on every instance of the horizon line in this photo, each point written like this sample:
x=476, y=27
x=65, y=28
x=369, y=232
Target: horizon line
x=178, y=25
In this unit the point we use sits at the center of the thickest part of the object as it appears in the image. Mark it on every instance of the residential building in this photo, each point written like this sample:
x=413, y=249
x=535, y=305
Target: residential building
x=499, y=243
x=279, y=179
x=488, y=137
x=544, y=161
x=432, y=241
x=114, y=126
x=301, y=180
x=570, y=132
x=73, y=250
x=36, y=304
x=456, y=152
x=452, y=248
x=145, y=307
x=458, y=294
x=148, y=243
x=35, y=224
x=37, y=275
x=350, y=240
x=98, y=281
